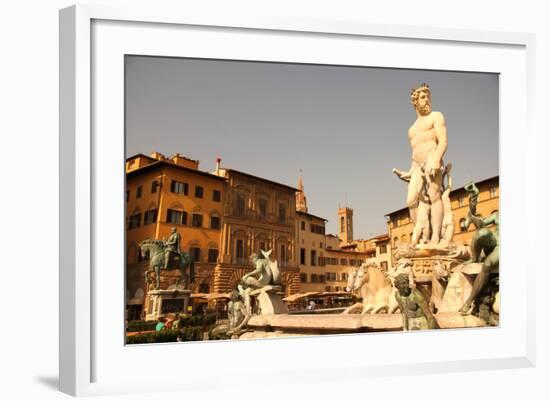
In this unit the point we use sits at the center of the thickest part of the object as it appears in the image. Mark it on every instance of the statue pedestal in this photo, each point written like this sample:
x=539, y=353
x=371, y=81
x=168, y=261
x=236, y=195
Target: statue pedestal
x=269, y=301
x=436, y=270
x=460, y=286
x=162, y=302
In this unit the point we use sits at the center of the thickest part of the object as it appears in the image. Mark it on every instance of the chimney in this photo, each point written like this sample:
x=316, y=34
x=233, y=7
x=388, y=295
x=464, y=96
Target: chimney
x=218, y=162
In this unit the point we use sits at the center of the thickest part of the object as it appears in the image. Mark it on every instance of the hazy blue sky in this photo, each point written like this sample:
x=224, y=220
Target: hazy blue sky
x=345, y=127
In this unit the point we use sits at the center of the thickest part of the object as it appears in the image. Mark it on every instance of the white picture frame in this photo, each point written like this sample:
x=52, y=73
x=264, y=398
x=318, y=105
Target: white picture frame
x=93, y=40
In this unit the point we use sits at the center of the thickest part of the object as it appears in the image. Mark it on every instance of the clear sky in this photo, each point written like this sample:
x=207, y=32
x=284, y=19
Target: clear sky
x=344, y=127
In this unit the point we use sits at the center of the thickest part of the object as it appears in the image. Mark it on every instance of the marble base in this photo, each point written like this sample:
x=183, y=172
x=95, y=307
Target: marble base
x=284, y=325
x=162, y=302
x=269, y=301
x=459, y=287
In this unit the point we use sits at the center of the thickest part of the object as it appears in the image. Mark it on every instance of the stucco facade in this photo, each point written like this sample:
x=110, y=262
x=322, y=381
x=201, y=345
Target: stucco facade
x=258, y=214
x=162, y=193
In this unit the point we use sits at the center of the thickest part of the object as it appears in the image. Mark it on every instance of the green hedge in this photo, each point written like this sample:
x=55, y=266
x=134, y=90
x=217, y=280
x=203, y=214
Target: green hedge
x=199, y=320
x=185, y=321
x=141, y=325
x=167, y=336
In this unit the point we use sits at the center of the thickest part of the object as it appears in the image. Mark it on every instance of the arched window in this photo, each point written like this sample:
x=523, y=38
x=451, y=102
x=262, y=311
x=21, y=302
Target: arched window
x=240, y=205
x=240, y=250
x=196, y=219
x=262, y=208
x=282, y=253
x=262, y=243
x=213, y=255
x=215, y=221
x=342, y=224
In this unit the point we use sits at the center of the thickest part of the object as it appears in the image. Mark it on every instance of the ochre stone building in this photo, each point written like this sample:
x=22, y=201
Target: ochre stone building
x=222, y=218
x=311, y=247
x=162, y=193
x=338, y=263
x=258, y=214
x=226, y=215
x=376, y=248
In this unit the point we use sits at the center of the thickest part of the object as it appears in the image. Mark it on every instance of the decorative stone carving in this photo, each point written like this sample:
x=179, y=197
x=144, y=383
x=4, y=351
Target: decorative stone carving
x=263, y=283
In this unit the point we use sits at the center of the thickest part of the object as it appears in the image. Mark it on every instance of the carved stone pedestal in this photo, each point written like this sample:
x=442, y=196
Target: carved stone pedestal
x=269, y=301
x=459, y=286
x=162, y=302
x=435, y=271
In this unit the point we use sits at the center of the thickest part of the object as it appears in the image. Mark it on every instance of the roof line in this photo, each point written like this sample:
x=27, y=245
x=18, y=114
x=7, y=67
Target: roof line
x=312, y=215
x=142, y=155
x=262, y=179
x=159, y=163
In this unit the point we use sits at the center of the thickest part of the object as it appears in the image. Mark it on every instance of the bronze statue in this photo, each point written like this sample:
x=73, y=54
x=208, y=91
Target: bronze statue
x=237, y=314
x=484, y=246
x=158, y=255
x=171, y=246
x=414, y=307
x=485, y=308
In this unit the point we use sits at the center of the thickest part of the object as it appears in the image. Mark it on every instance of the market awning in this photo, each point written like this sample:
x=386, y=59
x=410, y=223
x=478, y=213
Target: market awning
x=298, y=296
x=336, y=294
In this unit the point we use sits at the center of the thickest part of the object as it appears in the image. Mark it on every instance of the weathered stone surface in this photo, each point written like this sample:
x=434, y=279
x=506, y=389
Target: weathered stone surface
x=475, y=268
x=454, y=320
x=457, y=292
x=270, y=302
x=460, y=287
x=155, y=298
x=328, y=323
x=253, y=335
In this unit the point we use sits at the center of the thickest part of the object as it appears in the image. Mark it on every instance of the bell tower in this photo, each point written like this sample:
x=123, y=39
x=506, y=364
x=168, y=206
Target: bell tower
x=301, y=202
x=345, y=224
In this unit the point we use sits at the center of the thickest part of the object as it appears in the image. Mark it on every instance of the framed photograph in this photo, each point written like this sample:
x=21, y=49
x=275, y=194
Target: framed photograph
x=270, y=195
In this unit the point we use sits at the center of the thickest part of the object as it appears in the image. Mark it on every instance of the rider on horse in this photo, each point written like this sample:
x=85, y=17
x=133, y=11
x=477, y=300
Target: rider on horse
x=171, y=246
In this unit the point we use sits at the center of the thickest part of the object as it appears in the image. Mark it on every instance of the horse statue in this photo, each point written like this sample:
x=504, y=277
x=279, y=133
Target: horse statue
x=155, y=250
x=375, y=287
